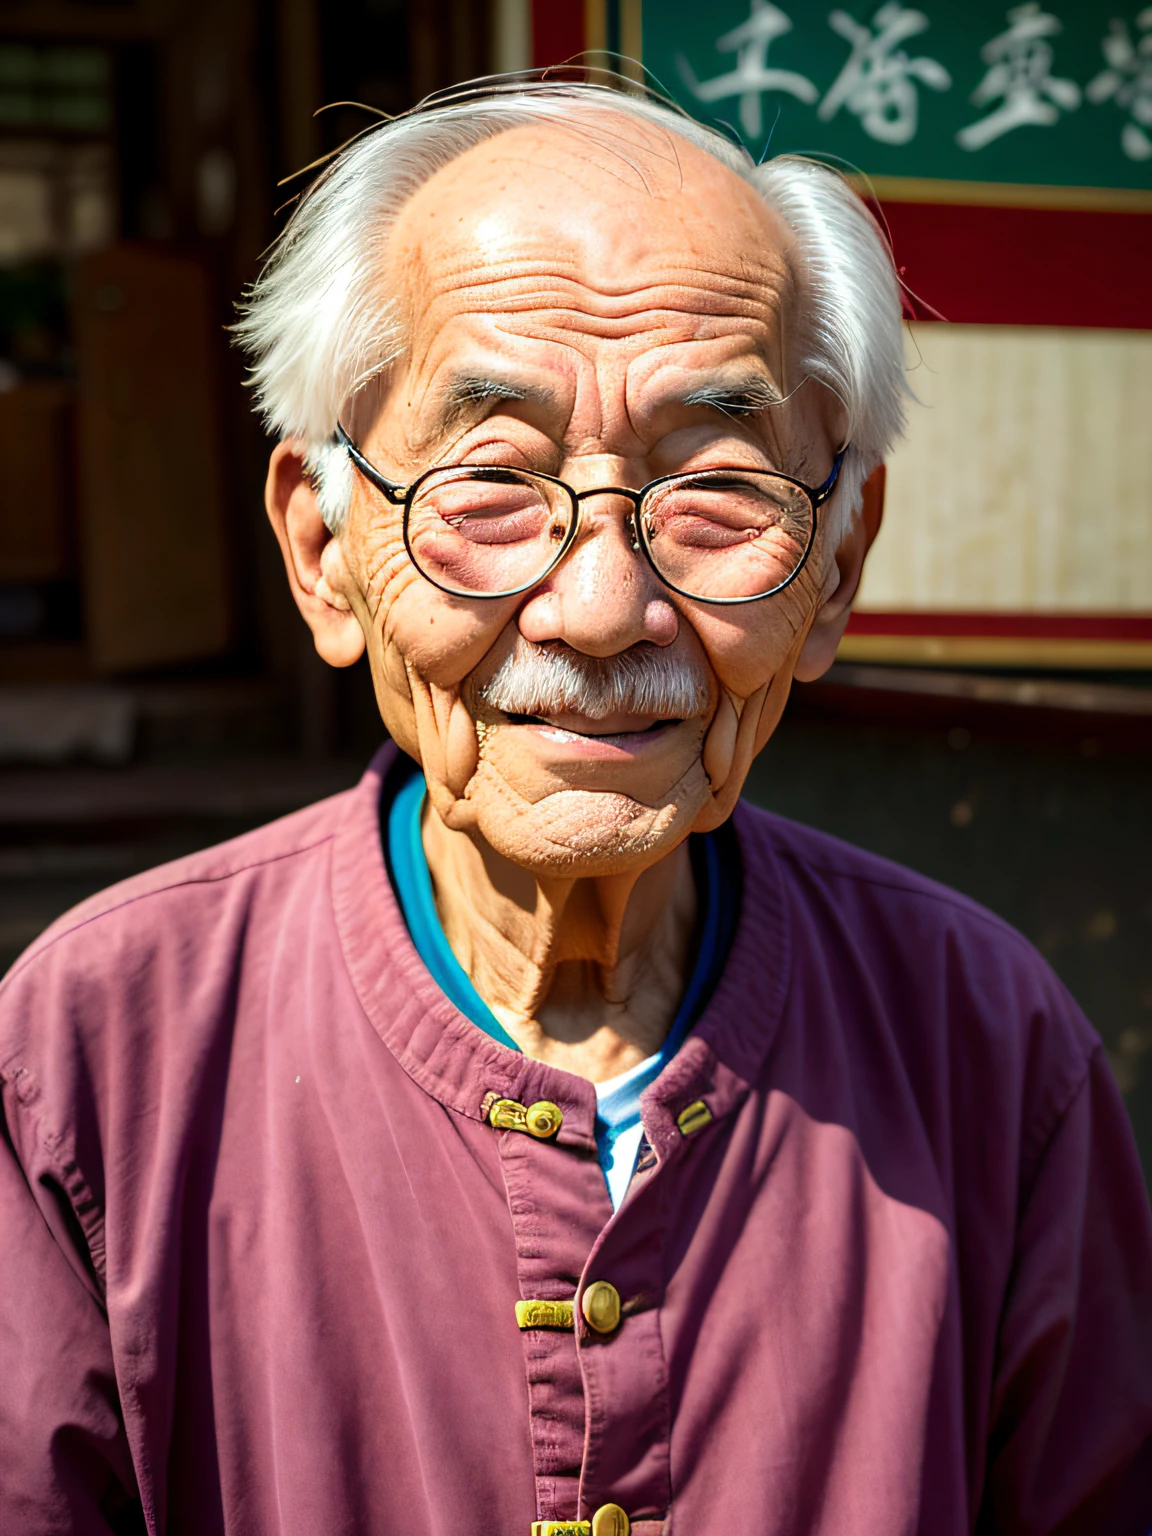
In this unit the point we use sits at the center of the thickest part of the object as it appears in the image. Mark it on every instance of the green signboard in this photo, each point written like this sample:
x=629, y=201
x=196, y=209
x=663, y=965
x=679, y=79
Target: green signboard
x=1057, y=94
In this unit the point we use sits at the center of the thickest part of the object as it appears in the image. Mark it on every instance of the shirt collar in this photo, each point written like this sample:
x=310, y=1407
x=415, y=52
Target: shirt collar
x=454, y=1062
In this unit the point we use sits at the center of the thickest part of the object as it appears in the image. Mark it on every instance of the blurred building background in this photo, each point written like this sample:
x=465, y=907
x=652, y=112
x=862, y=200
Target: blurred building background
x=990, y=721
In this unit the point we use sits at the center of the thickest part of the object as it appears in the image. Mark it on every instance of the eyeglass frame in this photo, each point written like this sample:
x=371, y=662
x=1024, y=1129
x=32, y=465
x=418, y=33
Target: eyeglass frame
x=404, y=495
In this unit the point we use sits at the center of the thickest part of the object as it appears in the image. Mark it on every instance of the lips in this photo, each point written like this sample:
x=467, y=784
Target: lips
x=578, y=726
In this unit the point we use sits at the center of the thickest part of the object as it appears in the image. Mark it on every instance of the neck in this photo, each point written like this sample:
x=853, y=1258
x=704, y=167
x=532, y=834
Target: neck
x=585, y=974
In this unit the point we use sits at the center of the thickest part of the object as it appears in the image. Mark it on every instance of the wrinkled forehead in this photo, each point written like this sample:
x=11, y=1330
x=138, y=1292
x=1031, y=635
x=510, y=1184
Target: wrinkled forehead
x=607, y=202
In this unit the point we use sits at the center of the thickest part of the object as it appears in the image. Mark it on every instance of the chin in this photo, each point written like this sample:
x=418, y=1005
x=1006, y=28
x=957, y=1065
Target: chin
x=578, y=833
x=647, y=768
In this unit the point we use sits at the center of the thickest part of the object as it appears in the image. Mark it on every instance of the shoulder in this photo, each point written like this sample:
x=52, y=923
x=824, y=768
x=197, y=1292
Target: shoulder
x=187, y=885
x=961, y=995
x=875, y=894
x=121, y=1027
x=154, y=964
x=118, y=1026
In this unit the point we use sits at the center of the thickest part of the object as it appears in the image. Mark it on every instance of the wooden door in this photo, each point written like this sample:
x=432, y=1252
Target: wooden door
x=151, y=479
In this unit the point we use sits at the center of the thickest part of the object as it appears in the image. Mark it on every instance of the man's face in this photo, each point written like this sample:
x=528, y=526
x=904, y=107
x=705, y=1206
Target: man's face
x=563, y=317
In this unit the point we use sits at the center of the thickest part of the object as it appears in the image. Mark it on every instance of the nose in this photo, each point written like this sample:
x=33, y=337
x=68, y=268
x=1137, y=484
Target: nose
x=604, y=597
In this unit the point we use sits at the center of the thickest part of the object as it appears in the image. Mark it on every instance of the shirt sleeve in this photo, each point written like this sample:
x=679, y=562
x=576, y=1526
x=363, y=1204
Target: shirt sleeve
x=65, y=1465
x=1070, y=1449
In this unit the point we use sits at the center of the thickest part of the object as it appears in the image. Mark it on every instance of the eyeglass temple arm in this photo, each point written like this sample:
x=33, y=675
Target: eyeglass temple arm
x=395, y=493
x=820, y=496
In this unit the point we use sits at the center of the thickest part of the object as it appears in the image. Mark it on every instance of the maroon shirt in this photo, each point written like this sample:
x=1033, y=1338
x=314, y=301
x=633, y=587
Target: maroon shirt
x=261, y=1248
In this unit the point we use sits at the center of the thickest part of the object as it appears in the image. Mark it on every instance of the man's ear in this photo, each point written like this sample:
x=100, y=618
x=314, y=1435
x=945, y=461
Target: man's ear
x=317, y=572
x=820, y=647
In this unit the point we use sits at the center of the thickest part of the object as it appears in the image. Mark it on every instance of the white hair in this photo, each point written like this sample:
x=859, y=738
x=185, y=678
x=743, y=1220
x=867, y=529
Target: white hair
x=556, y=680
x=318, y=330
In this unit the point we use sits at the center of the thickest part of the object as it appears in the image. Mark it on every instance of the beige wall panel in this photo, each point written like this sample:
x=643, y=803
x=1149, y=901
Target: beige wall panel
x=1025, y=482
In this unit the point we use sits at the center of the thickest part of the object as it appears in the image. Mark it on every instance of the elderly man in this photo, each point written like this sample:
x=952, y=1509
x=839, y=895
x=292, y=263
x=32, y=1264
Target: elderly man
x=524, y=1142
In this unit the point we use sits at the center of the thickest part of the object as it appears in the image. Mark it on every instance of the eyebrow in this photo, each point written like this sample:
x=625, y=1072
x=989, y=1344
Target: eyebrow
x=736, y=397
x=467, y=387
x=465, y=395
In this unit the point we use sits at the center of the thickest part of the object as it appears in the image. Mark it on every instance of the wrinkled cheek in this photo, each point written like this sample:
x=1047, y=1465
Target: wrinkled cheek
x=411, y=624
x=441, y=638
x=747, y=646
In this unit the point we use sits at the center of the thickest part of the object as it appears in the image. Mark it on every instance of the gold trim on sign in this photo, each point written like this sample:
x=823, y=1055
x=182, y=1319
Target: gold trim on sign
x=595, y=25
x=632, y=31
x=1006, y=194
x=995, y=651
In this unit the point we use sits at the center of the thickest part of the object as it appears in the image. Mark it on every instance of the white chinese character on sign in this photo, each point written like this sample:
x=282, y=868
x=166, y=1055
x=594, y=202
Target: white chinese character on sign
x=1128, y=80
x=878, y=81
x=1020, y=76
x=750, y=42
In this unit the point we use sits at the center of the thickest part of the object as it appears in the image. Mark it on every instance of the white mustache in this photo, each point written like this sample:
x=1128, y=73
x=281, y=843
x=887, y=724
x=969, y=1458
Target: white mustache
x=556, y=680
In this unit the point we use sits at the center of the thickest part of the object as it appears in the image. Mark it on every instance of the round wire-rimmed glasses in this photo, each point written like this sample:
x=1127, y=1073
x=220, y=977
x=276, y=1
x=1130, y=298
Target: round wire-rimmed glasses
x=712, y=535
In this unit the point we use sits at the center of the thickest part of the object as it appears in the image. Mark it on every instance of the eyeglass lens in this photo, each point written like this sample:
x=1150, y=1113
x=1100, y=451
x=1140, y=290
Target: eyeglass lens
x=715, y=535
x=722, y=535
